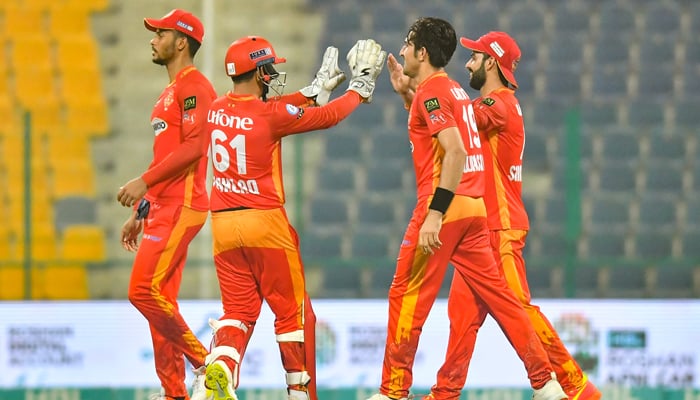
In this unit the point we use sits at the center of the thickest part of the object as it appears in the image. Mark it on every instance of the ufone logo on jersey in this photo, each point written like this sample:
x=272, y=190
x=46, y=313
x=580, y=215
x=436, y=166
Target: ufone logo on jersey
x=159, y=126
x=219, y=117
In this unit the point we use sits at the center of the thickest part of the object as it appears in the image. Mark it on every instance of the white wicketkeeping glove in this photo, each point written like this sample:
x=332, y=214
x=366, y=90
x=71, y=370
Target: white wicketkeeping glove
x=328, y=77
x=366, y=60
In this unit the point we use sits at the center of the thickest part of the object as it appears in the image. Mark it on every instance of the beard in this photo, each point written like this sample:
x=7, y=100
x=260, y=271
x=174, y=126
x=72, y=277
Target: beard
x=164, y=56
x=478, y=78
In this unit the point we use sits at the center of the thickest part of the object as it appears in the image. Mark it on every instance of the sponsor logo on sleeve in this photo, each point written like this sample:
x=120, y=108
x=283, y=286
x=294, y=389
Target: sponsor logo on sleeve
x=190, y=103
x=189, y=118
x=431, y=104
x=294, y=110
x=437, y=118
x=159, y=126
x=488, y=101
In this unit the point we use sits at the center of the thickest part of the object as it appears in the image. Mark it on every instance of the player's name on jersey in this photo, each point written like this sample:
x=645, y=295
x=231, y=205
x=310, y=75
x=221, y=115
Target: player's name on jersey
x=240, y=186
x=515, y=173
x=474, y=163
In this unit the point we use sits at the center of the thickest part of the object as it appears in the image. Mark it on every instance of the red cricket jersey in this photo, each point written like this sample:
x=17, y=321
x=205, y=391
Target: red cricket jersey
x=500, y=122
x=441, y=103
x=246, y=147
x=178, y=172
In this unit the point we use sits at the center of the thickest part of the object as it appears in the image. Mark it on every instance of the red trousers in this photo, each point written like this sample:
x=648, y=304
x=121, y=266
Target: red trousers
x=507, y=246
x=416, y=284
x=257, y=258
x=155, y=282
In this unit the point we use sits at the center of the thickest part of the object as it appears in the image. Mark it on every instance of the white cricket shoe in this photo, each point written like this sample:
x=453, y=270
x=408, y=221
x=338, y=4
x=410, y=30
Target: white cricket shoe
x=157, y=396
x=199, y=389
x=379, y=396
x=297, y=395
x=550, y=391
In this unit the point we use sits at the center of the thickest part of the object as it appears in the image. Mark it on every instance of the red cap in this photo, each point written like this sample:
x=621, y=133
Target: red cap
x=179, y=20
x=500, y=46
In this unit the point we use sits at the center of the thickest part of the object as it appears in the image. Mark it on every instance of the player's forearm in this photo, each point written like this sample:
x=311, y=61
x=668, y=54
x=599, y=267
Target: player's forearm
x=296, y=99
x=452, y=168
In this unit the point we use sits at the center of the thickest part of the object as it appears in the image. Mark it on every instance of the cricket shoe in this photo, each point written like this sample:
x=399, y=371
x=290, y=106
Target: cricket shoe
x=220, y=381
x=199, y=389
x=297, y=395
x=379, y=396
x=162, y=396
x=550, y=391
x=587, y=392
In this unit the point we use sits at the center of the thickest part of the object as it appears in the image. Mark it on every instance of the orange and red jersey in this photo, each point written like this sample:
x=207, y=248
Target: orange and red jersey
x=178, y=172
x=246, y=145
x=441, y=103
x=500, y=122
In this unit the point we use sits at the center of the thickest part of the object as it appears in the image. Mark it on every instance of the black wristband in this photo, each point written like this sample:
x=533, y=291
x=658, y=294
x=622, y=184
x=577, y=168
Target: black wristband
x=441, y=200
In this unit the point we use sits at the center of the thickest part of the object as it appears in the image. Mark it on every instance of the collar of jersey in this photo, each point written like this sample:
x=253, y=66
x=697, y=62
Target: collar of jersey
x=239, y=97
x=434, y=75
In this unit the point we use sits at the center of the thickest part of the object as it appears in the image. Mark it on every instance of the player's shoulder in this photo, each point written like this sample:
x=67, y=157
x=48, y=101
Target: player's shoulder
x=218, y=101
x=195, y=80
x=502, y=95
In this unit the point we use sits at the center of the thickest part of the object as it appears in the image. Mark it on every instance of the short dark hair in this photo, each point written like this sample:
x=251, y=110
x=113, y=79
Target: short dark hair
x=502, y=77
x=437, y=36
x=192, y=43
x=246, y=76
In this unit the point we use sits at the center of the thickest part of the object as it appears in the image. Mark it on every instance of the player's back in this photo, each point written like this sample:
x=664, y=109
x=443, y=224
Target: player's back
x=246, y=155
x=501, y=128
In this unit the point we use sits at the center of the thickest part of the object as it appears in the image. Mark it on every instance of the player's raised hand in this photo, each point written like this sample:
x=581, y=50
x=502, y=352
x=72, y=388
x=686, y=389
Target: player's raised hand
x=402, y=84
x=328, y=77
x=366, y=60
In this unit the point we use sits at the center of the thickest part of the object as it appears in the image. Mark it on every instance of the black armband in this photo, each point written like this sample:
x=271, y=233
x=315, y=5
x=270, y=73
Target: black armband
x=441, y=200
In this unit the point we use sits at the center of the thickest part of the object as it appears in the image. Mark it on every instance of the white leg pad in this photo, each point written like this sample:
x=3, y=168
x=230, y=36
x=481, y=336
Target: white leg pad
x=297, y=378
x=218, y=324
x=296, y=336
x=227, y=351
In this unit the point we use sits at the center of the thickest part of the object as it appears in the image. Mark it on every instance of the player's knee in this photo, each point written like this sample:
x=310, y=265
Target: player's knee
x=139, y=296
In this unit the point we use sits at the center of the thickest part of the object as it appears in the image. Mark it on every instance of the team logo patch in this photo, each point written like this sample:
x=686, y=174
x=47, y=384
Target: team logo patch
x=188, y=117
x=431, y=104
x=437, y=118
x=190, y=103
x=168, y=100
x=231, y=68
x=488, y=101
x=292, y=110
